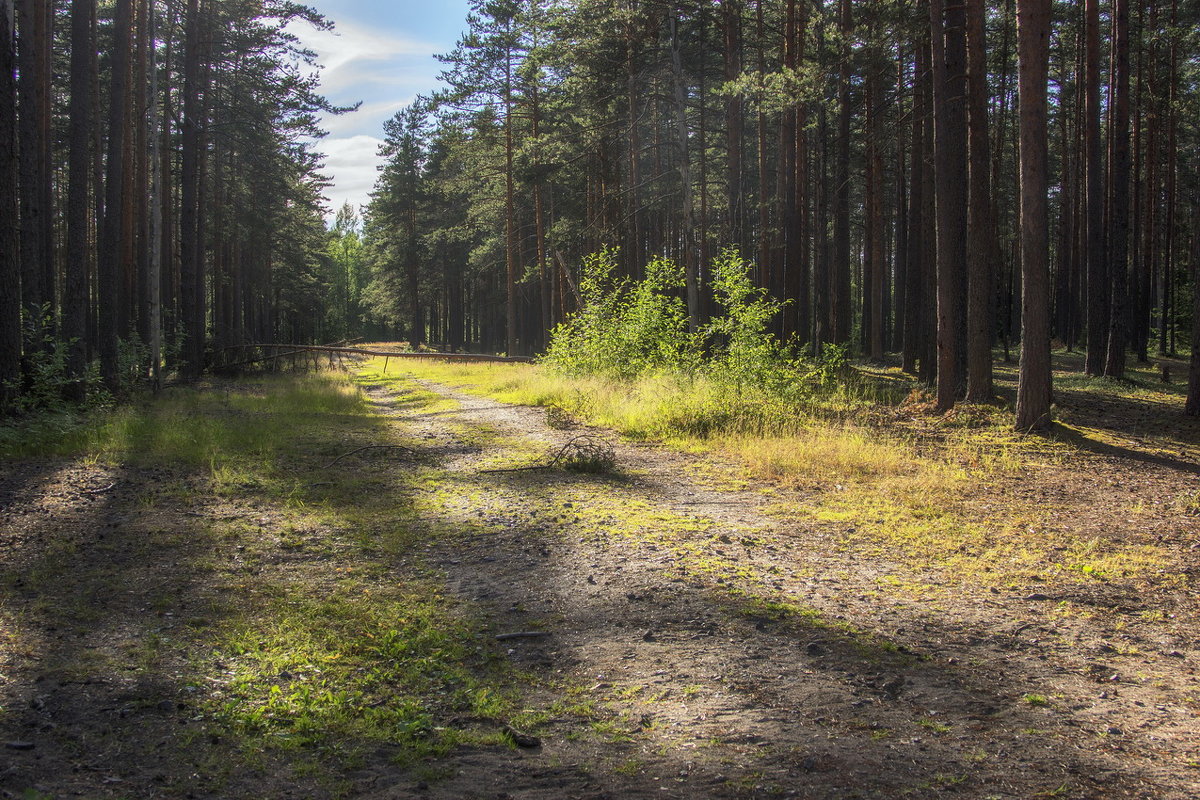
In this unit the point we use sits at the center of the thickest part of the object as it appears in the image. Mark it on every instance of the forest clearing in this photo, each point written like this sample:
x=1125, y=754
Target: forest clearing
x=897, y=604
x=582, y=399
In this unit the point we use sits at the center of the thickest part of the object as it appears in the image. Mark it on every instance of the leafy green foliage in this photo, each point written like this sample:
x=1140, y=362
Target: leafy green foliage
x=746, y=352
x=626, y=328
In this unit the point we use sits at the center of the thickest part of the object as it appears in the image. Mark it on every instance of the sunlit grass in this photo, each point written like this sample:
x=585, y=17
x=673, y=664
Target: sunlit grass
x=904, y=484
x=325, y=635
x=365, y=665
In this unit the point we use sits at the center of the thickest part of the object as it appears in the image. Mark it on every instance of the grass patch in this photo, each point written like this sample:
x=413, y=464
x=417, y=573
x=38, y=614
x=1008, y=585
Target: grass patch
x=893, y=479
x=315, y=631
x=355, y=668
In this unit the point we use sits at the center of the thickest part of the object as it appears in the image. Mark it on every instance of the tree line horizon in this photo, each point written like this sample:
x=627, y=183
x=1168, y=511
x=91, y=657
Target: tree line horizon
x=928, y=179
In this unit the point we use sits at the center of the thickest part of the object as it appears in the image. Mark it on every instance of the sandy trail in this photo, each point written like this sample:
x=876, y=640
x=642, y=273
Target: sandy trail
x=697, y=646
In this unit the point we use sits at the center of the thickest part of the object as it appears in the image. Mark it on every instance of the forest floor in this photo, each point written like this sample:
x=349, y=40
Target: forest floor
x=401, y=622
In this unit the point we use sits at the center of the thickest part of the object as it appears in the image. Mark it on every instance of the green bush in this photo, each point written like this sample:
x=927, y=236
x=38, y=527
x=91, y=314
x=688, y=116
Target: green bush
x=625, y=328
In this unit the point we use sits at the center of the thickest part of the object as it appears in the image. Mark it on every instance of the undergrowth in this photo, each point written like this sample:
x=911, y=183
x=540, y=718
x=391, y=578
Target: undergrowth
x=898, y=479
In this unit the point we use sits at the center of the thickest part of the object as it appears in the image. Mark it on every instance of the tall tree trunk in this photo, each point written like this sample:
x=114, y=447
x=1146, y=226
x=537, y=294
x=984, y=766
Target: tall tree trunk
x=35, y=167
x=191, y=265
x=112, y=239
x=982, y=248
x=10, y=245
x=915, y=258
x=1192, y=406
x=510, y=222
x=158, y=123
x=1034, y=387
x=691, y=268
x=950, y=156
x=1166, y=335
x=731, y=23
x=875, y=271
x=1118, y=332
x=1097, y=273
x=840, y=313
x=79, y=172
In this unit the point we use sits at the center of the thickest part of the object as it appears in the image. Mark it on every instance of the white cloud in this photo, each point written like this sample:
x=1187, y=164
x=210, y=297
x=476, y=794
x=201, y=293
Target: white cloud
x=353, y=55
x=351, y=162
x=369, y=116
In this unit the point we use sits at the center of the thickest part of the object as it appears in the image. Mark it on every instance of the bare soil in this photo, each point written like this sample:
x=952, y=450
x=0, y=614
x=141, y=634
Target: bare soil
x=659, y=635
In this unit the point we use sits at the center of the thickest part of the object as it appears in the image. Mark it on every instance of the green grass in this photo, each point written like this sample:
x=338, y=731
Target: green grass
x=319, y=632
x=354, y=668
x=896, y=480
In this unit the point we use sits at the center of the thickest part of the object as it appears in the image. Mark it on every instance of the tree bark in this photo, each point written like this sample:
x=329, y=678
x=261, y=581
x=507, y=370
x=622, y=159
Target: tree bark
x=840, y=315
x=1097, y=273
x=35, y=167
x=950, y=156
x=1034, y=387
x=914, y=335
x=79, y=174
x=1118, y=332
x=112, y=237
x=191, y=266
x=10, y=255
x=982, y=247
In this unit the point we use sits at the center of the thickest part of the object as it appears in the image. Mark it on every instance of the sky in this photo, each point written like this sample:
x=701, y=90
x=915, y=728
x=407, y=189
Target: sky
x=382, y=55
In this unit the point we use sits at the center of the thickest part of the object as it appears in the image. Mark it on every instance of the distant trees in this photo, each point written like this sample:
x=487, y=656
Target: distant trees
x=164, y=220
x=868, y=157
x=863, y=154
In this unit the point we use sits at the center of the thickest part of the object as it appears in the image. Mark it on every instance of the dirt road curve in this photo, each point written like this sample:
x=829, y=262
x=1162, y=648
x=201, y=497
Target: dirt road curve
x=670, y=598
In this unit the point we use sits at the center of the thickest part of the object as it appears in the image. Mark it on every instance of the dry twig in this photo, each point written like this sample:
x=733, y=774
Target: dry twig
x=584, y=453
x=371, y=447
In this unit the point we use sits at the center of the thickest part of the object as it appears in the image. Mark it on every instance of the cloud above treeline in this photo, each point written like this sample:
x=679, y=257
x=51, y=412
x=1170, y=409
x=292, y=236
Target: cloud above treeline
x=383, y=70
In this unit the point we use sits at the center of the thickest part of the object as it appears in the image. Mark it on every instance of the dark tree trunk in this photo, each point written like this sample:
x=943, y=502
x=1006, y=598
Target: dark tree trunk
x=1118, y=333
x=10, y=255
x=112, y=236
x=950, y=155
x=914, y=335
x=840, y=316
x=1034, y=387
x=1192, y=407
x=731, y=24
x=875, y=271
x=79, y=173
x=37, y=289
x=1097, y=273
x=191, y=266
x=982, y=248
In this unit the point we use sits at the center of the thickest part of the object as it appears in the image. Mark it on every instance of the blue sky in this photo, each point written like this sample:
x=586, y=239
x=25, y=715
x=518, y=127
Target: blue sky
x=382, y=55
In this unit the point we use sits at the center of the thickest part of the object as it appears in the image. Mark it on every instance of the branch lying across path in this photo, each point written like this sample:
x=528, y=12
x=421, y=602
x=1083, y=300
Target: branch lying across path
x=591, y=443
x=371, y=447
x=504, y=637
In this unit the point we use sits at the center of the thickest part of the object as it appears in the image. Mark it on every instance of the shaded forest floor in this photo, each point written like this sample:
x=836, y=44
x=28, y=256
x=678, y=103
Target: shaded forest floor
x=222, y=599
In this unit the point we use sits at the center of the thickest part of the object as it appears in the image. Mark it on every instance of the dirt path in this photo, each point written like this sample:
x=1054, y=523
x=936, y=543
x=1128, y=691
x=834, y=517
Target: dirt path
x=679, y=632
x=726, y=653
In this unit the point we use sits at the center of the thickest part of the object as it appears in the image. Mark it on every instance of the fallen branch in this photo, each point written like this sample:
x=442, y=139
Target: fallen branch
x=504, y=637
x=101, y=490
x=371, y=447
x=592, y=450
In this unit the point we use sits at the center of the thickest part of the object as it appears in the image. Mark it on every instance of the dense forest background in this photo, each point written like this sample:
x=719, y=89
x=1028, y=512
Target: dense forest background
x=866, y=158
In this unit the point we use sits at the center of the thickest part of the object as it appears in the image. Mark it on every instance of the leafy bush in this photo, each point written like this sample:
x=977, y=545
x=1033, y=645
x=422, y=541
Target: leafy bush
x=629, y=330
x=745, y=352
x=625, y=328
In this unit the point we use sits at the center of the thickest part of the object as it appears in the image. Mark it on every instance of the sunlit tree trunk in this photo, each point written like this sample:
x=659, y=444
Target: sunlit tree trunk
x=950, y=167
x=1033, y=390
x=1118, y=333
